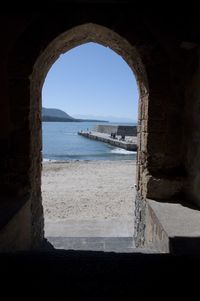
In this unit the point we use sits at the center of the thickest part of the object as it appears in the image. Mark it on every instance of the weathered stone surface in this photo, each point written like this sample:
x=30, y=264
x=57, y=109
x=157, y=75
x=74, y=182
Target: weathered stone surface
x=163, y=188
x=155, y=235
x=140, y=221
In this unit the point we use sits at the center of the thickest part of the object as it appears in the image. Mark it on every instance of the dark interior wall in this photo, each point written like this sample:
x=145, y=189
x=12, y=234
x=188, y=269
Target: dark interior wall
x=165, y=125
x=10, y=29
x=191, y=132
x=4, y=126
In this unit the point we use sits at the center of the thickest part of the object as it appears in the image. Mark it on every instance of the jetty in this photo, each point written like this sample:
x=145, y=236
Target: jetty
x=119, y=136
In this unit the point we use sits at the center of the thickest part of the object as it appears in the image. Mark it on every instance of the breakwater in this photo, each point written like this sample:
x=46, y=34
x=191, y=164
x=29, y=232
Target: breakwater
x=129, y=144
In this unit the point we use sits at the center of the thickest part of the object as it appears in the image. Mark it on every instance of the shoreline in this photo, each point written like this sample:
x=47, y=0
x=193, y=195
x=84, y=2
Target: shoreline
x=46, y=161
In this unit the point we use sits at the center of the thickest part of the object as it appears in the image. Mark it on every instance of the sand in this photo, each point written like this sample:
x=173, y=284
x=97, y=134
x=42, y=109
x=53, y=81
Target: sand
x=88, y=189
x=89, y=198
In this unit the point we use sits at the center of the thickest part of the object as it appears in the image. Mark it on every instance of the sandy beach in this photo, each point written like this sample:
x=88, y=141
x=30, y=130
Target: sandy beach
x=98, y=192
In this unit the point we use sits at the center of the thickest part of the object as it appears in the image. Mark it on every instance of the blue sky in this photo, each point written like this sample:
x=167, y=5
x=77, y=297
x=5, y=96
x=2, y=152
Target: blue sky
x=92, y=80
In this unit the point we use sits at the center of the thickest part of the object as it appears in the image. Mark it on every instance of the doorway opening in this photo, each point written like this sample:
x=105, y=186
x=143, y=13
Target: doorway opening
x=88, y=186
x=92, y=33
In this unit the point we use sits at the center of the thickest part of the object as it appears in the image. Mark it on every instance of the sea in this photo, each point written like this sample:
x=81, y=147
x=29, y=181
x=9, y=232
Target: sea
x=61, y=142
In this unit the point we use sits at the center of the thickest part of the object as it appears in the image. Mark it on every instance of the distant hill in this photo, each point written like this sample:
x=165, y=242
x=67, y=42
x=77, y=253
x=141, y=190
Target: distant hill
x=57, y=115
x=109, y=118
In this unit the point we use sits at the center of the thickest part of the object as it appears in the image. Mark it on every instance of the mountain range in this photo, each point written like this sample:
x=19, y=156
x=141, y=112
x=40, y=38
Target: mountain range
x=57, y=115
x=113, y=119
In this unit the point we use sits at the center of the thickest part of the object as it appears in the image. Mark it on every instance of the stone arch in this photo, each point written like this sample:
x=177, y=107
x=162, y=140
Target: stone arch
x=85, y=33
x=29, y=63
x=76, y=36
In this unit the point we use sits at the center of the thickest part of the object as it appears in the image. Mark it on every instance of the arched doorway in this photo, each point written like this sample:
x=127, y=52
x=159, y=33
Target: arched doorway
x=88, y=188
x=80, y=35
x=161, y=158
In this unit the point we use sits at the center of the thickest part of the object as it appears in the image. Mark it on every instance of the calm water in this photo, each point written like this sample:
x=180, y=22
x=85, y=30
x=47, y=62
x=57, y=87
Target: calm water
x=61, y=142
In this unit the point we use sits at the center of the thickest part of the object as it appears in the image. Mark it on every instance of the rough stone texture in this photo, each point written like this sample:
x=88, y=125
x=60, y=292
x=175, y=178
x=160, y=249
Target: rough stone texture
x=164, y=188
x=155, y=236
x=140, y=221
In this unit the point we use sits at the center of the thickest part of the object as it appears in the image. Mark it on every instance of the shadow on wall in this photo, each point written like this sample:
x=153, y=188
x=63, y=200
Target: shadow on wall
x=182, y=200
x=184, y=245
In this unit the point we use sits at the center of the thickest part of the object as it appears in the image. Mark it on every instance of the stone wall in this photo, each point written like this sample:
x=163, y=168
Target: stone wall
x=191, y=130
x=118, y=129
x=149, y=232
x=107, y=129
x=127, y=130
x=168, y=82
x=27, y=68
x=16, y=234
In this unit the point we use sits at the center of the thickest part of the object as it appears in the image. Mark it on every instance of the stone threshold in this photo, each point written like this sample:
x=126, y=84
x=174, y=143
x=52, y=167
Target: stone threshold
x=100, y=244
x=106, y=244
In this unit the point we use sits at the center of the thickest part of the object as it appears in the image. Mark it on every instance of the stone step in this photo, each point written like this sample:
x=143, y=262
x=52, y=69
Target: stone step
x=114, y=227
x=105, y=244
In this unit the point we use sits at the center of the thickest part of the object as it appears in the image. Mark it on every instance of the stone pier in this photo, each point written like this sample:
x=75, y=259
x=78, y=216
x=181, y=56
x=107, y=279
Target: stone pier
x=130, y=142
